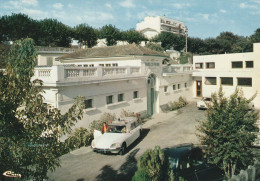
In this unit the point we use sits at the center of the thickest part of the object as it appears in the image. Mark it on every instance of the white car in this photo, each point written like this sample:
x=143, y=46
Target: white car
x=119, y=136
x=202, y=104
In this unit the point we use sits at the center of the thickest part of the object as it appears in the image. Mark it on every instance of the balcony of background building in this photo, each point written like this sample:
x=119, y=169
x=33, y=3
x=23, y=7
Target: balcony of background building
x=169, y=70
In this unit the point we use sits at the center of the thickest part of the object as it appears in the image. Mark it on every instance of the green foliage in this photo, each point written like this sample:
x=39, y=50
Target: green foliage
x=80, y=137
x=256, y=36
x=132, y=36
x=154, y=46
x=85, y=35
x=4, y=52
x=182, y=102
x=155, y=164
x=141, y=175
x=54, y=33
x=228, y=132
x=170, y=40
x=184, y=58
x=29, y=129
x=111, y=33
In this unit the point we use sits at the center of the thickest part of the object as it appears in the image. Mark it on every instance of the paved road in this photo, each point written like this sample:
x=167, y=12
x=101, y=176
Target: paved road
x=165, y=130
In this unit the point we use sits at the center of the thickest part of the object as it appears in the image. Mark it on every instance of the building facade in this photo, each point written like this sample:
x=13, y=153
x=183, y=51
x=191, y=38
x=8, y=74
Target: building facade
x=110, y=79
x=231, y=71
x=152, y=26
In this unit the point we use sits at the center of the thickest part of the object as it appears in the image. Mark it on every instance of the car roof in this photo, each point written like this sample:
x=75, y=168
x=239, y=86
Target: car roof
x=180, y=151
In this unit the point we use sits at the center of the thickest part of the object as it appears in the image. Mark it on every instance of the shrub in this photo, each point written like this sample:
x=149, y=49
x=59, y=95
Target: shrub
x=107, y=117
x=127, y=113
x=80, y=137
x=141, y=175
x=154, y=163
x=177, y=104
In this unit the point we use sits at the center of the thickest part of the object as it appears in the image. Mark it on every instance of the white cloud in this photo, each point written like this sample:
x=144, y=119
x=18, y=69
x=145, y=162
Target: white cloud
x=204, y=16
x=247, y=6
x=57, y=6
x=127, y=4
x=180, y=6
x=36, y=14
x=30, y=2
x=70, y=6
x=222, y=11
x=108, y=5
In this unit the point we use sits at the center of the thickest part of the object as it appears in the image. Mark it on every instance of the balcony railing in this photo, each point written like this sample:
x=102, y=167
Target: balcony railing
x=186, y=68
x=62, y=73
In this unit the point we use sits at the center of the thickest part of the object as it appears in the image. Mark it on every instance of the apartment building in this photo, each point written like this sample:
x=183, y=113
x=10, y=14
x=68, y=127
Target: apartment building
x=231, y=71
x=113, y=78
x=152, y=26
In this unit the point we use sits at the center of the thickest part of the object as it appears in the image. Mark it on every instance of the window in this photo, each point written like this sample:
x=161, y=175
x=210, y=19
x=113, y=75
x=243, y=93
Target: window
x=179, y=86
x=115, y=65
x=108, y=65
x=198, y=65
x=165, y=88
x=226, y=80
x=91, y=65
x=88, y=103
x=244, y=82
x=210, y=65
x=86, y=65
x=210, y=81
x=49, y=61
x=237, y=64
x=102, y=65
x=185, y=84
x=120, y=97
x=79, y=65
x=110, y=99
x=135, y=94
x=249, y=64
x=174, y=87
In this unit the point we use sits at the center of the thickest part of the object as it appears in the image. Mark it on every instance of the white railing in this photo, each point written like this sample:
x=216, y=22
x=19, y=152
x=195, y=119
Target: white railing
x=177, y=68
x=60, y=73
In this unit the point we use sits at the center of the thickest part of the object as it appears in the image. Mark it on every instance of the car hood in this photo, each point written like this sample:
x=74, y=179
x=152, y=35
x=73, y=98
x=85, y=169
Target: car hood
x=107, y=139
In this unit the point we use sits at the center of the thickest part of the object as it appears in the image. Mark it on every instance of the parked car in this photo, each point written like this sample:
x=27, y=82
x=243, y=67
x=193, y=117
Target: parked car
x=188, y=162
x=120, y=135
x=202, y=104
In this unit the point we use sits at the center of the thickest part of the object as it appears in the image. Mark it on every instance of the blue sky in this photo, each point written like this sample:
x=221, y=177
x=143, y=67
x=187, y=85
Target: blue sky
x=204, y=18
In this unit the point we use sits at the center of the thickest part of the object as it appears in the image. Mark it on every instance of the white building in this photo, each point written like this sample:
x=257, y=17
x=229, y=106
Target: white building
x=240, y=70
x=113, y=78
x=152, y=26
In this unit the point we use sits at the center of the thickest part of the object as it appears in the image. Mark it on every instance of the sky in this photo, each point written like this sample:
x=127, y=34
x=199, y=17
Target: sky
x=204, y=18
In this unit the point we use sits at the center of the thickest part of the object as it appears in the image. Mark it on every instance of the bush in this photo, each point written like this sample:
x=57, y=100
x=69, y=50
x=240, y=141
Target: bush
x=182, y=102
x=155, y=164
x=80, y=137
x=141, y=175
x=125, y=113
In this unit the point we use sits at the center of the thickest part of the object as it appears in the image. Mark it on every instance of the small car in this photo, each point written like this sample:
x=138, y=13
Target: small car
x=202, y=104
x=187, y=161
x=120, y=135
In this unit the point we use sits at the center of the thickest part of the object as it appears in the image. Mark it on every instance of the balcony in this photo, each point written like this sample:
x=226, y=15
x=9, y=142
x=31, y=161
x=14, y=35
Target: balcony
x=175, y=69
x=60, y=75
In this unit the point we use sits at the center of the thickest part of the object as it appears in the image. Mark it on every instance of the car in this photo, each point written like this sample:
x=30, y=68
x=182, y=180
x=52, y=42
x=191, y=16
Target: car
x=203, y=103
x=120, y=135
x=187, y=161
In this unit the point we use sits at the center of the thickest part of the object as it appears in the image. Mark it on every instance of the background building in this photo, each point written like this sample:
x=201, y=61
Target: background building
x=152, y=26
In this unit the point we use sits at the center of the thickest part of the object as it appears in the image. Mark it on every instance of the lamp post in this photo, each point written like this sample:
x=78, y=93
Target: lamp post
x=186, y=41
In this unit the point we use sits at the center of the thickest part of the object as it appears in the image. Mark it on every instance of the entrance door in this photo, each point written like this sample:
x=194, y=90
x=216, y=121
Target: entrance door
x=152, y=101
x=199, y=88
x=151, y=94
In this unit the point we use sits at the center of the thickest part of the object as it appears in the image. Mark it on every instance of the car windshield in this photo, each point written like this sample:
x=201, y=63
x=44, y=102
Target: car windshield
x=116, y=129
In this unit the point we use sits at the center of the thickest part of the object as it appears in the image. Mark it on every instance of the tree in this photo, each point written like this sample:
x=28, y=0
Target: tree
x=54, y=33
x=18, y=26
x=196, y=45
x=256, y=36
x=132, y=36
x=111, y=33
x=170, y=40
x=86, y=35
x=228, y=132
x=29, y=128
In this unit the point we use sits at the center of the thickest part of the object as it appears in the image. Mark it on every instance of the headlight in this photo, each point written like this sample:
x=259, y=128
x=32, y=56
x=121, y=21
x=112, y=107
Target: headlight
x=93, y=144
x=115, y=145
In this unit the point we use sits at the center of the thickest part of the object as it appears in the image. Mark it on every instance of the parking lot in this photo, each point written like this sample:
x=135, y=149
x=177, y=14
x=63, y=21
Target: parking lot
x=165, y=129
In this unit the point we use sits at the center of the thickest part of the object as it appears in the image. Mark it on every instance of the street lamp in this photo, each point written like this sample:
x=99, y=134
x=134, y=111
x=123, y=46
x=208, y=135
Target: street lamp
x=186, y=37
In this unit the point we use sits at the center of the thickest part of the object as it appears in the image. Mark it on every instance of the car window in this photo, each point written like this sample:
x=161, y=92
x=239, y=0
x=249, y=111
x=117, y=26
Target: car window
x=133, y=125
x=117, y=129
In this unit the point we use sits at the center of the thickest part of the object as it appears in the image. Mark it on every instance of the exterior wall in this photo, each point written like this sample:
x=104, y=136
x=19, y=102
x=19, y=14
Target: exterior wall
x=43, y=59
x=223, y=68
x=149, y=23
x=98, y=92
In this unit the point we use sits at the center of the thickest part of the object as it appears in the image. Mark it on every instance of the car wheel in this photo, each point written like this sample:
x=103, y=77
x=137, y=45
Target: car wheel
x=123, y=148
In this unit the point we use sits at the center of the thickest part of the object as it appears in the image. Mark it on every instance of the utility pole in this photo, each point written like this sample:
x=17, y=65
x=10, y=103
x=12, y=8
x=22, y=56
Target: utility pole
x=186, y=37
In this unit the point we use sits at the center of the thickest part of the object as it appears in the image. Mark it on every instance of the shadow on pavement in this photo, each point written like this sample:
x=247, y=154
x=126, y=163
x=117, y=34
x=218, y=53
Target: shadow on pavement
x=125, y=172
